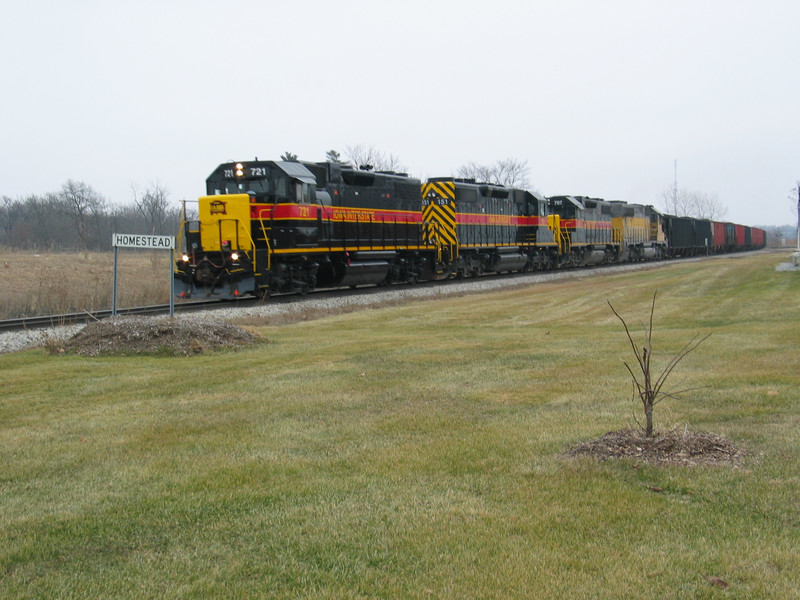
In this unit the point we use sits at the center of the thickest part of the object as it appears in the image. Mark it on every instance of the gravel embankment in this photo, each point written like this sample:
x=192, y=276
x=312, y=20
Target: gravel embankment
x=20, y=340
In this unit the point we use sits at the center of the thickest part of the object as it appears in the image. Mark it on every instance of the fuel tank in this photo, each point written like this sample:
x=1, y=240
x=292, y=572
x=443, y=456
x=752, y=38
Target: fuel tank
x=364, y=273
x=594, y=257
x=509, y=262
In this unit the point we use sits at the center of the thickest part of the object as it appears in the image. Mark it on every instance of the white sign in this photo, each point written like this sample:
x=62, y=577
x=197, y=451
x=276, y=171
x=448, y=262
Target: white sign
x=156, y=242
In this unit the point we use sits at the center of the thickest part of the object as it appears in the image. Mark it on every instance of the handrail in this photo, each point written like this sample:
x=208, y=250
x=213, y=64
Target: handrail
x=560, y=234
x=269, y=246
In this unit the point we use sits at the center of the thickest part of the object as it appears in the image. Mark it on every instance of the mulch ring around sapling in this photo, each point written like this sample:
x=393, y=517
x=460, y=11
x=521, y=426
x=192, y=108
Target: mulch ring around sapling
x=154, y=336
x=676, y=447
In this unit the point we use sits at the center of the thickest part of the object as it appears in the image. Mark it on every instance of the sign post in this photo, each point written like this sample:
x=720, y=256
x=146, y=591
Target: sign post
x=147, y=242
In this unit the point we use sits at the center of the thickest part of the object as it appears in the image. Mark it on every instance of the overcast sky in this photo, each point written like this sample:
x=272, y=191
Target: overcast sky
x=600, y=98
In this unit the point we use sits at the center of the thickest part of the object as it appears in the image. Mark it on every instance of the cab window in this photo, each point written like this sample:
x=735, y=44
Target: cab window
x=302, y=192
x=281, y=189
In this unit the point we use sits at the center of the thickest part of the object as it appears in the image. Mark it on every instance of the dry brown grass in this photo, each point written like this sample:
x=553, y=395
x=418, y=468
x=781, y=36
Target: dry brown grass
x=56, y=283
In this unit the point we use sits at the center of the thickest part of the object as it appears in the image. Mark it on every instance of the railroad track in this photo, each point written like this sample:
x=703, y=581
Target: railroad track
x=44, y=321
x=40, y=322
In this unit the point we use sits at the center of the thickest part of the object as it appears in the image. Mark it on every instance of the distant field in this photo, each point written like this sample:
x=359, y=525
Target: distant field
x=417, y=452
x=56, y=283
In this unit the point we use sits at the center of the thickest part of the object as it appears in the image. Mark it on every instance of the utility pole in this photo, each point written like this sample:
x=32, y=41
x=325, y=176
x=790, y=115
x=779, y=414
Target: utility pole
x=675, y=191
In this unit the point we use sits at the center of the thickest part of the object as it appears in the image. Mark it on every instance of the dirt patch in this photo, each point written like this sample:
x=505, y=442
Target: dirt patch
x=677, y=447
x=164, y=337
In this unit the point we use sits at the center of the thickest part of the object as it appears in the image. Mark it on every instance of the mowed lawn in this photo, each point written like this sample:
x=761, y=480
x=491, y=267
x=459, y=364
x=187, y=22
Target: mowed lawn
x=417, y=452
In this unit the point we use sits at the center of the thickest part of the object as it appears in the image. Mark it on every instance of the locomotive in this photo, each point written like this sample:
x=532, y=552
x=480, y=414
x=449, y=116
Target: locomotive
x=289, y=227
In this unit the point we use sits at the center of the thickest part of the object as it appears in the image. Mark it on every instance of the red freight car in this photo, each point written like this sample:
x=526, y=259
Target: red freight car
x=718, y=244
x=740, y=237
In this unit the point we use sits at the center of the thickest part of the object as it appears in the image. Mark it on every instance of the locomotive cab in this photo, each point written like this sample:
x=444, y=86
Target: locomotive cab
x=266, y=182
x=565, y=211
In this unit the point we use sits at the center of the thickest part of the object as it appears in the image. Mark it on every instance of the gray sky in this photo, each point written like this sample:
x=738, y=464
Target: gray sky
x=599, y=97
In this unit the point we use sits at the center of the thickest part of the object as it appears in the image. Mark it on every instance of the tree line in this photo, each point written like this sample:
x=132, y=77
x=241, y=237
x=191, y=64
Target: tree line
x=77, y=217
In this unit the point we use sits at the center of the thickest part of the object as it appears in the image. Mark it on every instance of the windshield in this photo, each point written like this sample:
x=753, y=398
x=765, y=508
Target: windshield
x=266, y=183
x=263, y=188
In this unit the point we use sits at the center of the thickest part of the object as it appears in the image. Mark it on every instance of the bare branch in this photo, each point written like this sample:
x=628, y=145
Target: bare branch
x=508, y=172
x=370, y=158
x=651, y=393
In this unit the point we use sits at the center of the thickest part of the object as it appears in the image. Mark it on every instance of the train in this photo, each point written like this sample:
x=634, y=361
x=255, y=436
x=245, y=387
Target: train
x=278, y=227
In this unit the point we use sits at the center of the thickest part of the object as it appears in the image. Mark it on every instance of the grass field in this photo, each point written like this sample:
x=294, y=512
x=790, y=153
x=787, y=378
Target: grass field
x=50, y=283
x=417, y=452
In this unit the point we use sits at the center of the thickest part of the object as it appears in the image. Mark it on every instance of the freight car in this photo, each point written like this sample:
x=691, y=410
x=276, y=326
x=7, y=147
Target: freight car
x=290, y=227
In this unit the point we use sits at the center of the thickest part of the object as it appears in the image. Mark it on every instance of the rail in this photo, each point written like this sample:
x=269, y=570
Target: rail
x=45, y=321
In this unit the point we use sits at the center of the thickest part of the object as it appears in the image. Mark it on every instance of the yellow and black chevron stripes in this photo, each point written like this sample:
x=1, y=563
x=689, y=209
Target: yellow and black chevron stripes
x=440, y=189
x=439, y=213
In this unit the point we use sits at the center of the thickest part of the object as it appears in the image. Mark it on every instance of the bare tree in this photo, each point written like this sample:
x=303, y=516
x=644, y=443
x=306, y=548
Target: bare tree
x=708, y=206
x=688, y=203
x=11, y=213
x=82, y=204
x=43, y=222
x=794, y=200
x=478, y=172
x=651, y=391
x=513, y=173
x=152, y=204
x=370, y=158
x=678, y=202
x=509, y=172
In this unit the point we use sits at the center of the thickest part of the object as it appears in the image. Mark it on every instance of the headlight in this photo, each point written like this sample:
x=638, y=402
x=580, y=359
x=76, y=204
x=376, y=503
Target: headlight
x=239, y=170
x=234, y=256
x=185, y=258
